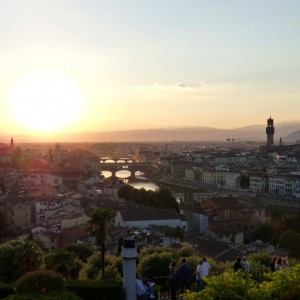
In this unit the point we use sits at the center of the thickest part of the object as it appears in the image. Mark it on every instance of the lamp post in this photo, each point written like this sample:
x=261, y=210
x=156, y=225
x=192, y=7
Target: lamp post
x=129, y=255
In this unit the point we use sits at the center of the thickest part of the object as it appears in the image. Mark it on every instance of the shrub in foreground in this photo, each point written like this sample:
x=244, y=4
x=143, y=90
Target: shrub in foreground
x=46, y=296
x=39, y=282
x=96, y=290
x=282, y=284
x=228, y=285
x=6, y=289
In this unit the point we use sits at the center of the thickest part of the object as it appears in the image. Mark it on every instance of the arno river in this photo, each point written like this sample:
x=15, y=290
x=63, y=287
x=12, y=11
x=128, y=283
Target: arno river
x=142, y=181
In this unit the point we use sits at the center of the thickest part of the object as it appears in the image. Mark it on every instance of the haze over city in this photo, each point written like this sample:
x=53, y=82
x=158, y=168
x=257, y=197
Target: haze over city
x=75, y=66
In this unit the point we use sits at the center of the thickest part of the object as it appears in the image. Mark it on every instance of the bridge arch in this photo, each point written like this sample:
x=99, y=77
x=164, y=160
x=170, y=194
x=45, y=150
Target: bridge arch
x=116, y=160
x=132, y=167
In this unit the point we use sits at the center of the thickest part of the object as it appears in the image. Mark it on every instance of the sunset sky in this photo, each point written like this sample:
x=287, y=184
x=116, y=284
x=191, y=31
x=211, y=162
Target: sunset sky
x=92, y=65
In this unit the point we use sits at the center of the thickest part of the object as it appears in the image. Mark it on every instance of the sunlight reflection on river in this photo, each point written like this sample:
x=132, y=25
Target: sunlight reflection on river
x=142, y=182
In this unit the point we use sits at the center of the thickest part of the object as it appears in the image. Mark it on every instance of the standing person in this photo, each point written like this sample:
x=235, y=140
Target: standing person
x=278, y=264
x=205, y=270
x=185, y=276
x=199, y=272
x=206, y=267
x=174, y=280
x=284, y=263
x=237, y=265
x=272, y=264
x=245, y=265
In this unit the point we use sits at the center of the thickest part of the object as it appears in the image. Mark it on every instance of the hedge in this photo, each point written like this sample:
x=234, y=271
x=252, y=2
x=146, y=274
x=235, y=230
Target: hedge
x=46, y=296
x=6, y=289
x=96, y=290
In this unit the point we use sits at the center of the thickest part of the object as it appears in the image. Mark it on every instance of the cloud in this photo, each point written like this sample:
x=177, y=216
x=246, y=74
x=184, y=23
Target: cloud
x=181, y=85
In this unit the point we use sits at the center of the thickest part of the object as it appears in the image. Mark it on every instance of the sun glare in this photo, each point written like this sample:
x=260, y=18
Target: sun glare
x=46, y=102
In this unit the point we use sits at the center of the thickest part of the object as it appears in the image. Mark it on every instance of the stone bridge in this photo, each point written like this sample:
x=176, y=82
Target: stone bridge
x=108, y=159
x=132, y=167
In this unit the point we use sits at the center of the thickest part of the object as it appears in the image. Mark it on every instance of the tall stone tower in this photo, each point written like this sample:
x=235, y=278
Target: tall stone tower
x=270, y=132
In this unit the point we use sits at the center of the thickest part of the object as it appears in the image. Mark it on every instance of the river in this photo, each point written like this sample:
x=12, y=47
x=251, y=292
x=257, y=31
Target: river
x=141, y=182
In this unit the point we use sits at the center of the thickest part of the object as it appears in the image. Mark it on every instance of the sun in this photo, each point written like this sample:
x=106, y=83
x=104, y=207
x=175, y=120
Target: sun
x=45, y=101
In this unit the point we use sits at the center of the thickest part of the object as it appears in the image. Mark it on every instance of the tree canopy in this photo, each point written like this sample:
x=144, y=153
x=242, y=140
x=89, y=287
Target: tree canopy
x=162, y=198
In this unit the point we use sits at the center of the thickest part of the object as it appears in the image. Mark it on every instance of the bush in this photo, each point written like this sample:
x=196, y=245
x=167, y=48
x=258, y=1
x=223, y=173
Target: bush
x=156, y=265
x=39, y=282
x=96, y=290
x=48, y=296
x=186, y=251
x=282, y=284
x=5, y=290
x=228, y=285
x=260, y=258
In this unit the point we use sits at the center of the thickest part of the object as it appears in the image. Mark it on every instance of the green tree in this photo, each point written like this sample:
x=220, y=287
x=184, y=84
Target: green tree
x=39, y=281
x=228, y=285
x=64, y=262
x=291, y=241
x=100, y=222
x=82, y=251
x=29, y=255
x=186, y=251
x=173, y=233
x=245, y=181
x=17, y=258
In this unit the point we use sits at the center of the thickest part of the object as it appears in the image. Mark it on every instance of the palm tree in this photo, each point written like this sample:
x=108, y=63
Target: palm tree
x=29, y=255
x=101, y=220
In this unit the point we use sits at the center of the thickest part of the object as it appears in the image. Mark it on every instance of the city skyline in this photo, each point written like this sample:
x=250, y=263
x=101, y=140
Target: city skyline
x=98, y=66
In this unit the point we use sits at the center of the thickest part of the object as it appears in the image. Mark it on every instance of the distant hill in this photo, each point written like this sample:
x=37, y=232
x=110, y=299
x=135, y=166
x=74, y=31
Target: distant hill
x=290, y=132
x=293, y=137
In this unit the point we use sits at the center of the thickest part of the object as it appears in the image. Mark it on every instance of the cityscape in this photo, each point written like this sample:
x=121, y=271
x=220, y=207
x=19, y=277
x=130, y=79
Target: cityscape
x=149, y=150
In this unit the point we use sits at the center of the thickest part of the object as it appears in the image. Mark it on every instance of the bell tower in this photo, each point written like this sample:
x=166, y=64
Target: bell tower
x=270, y=132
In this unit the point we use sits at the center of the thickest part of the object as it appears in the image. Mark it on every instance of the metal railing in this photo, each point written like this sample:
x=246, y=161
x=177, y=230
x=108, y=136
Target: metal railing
x=163, y=287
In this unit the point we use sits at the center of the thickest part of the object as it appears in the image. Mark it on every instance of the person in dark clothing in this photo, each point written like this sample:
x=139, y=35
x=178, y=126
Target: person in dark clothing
x=272, y=264
x=185, y=276
x=174, y=280
x=237, y=265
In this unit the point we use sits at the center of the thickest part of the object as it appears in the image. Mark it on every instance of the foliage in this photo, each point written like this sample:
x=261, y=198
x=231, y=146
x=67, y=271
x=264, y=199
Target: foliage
x=39, y=282
x=82, y=251
x=156, y=264
x=158, y=199
x=260, y=258
x=291, y=241
x=46, y=296
x=101, y=221
x=91, y=270
x=94, y=289
x=282, y=284
x=228, y=285
x=17, y=258
x=6, y=289
x=113, y=268
x=64, y=262
x=173, y=233
x=245, y=181
x=155, y=249
x=185, y=251
x=257, y=271
x=268, y=232
x=277, y=214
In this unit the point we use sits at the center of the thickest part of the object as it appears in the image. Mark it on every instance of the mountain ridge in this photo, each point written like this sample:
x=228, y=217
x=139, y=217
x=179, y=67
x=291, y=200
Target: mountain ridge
x=289, y=132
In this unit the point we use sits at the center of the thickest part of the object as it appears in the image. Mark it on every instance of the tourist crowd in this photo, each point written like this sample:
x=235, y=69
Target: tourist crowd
x=181, y=277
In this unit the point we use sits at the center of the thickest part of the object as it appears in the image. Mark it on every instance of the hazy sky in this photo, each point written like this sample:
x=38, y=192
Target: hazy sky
x=136, y=64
